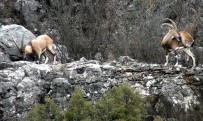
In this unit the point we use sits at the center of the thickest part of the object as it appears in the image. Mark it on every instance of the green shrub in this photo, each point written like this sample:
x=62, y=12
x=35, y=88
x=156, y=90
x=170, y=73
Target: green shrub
x=44, y=112
x=78, y=109
x=137, y=2
x=158, y=118
x=120, y=103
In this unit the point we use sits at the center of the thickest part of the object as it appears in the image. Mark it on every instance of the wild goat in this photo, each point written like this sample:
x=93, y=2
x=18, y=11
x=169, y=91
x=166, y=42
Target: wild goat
x=38, y=47
x=176, y=40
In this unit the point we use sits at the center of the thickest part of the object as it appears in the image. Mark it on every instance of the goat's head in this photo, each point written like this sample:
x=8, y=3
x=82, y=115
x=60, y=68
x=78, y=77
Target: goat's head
x=27, y=50
x=20, y=48
x=171, y=34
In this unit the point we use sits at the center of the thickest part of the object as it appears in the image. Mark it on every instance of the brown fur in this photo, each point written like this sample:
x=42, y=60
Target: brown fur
x=176, y=40
x=169, y=38
x=186, y=38
x=39, y=46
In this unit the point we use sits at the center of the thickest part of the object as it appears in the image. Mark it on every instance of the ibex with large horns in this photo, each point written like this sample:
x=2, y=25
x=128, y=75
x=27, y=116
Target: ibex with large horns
x=176, y=40
x=38, y=47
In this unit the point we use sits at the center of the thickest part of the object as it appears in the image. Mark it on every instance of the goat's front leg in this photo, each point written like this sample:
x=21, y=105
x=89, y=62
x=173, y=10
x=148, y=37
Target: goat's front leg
x=39, y=58
x=167, y=56
x=177, y=56
x=46, y=57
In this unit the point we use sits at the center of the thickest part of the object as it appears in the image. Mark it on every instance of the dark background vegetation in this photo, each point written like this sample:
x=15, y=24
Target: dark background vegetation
x=110, y=27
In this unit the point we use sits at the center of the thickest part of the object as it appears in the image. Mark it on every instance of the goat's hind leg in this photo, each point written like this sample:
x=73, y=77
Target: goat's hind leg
x=51, y=50
x=177, y=55
x=189, y=53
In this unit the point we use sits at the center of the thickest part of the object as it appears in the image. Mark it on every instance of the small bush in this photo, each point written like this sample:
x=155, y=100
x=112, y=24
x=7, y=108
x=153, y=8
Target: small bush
x=44, y=112
x=78, y=109
x=120, y=103
x=158, y=118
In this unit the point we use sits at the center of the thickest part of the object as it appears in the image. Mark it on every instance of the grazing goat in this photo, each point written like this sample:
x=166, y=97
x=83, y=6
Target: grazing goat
x=38, y=47
x=176, y=40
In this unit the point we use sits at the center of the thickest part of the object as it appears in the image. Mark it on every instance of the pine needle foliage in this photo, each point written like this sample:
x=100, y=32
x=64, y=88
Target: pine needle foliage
x=45, y=112
x=120, y=103
x=79, y=109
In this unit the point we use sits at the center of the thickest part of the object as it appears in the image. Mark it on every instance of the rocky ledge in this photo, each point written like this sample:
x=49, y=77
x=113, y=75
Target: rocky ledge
x=170, y=92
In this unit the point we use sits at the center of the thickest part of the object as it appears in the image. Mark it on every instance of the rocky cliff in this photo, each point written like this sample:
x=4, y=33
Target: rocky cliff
x=103, y=30
x=173, y=93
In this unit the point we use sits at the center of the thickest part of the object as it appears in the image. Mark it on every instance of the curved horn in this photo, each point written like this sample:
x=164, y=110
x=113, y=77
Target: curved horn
x=167, y=24
x=22, y=42
x=16, y=44
x=173, y=23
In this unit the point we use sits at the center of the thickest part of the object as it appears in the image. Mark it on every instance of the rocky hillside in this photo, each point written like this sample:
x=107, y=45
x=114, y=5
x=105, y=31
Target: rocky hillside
x=173, y=93
x=103, y=31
